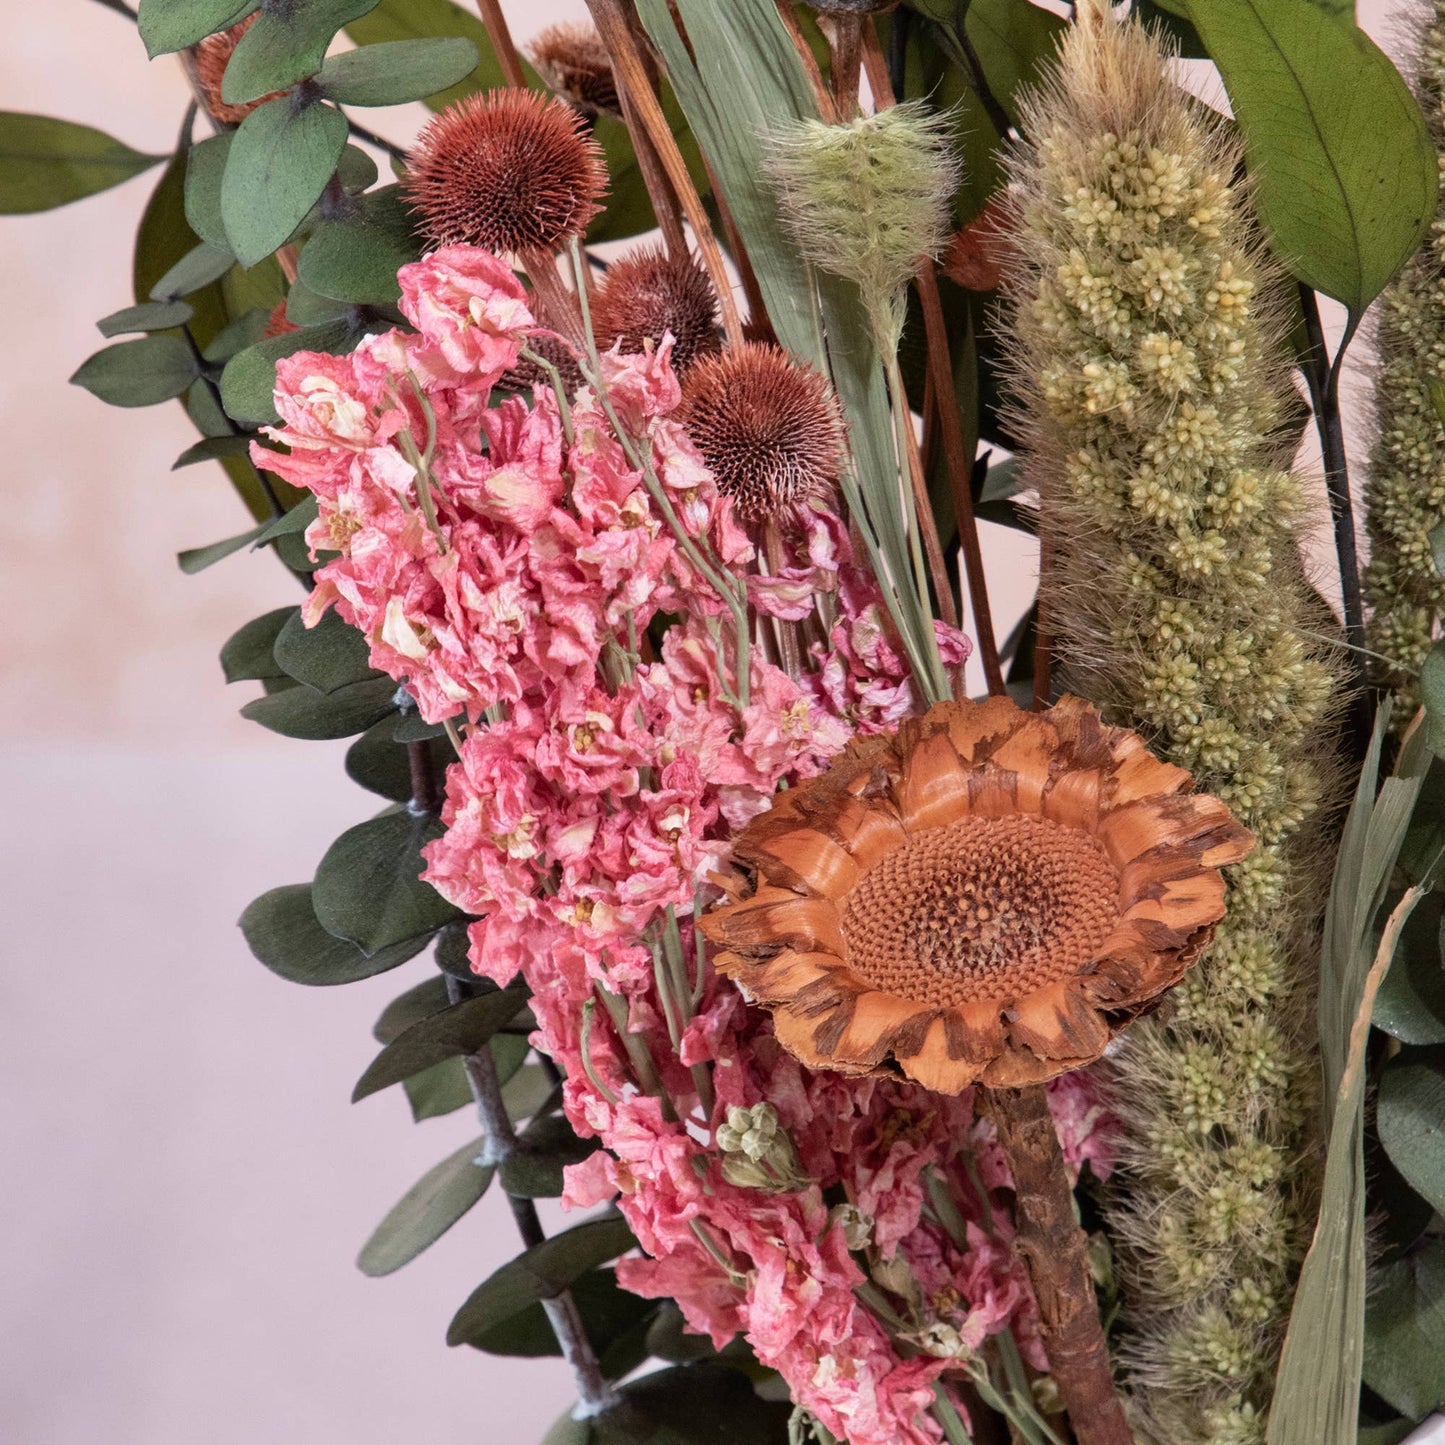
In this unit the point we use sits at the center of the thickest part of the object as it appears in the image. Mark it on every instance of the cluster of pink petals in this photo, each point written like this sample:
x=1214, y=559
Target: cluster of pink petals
x=508, y=576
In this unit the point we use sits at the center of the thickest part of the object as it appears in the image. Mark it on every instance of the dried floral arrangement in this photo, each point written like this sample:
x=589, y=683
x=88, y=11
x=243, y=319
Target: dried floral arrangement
x=1059, y=1064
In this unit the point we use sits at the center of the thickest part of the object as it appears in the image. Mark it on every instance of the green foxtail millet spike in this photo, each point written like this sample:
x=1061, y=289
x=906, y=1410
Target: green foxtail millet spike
x=1152, y=383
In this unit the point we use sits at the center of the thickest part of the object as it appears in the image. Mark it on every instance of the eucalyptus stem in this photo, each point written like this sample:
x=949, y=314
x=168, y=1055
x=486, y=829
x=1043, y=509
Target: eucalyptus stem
x=120, y=8
x=593, y=1391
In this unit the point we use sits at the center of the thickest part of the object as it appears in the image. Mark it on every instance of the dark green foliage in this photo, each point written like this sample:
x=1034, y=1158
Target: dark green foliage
x=249, y=652
x=148, y=316
x=380, y=764
x=279, y=163
x=397, y=71
x=1405, y=1332
x=167, y=25
x=1411, y=1120
x=461, y=1028
x=286, y=44
x=144, y=372
x=46, y=162
x=200, y=266
x=427, y=1210
x=329, y=656
x=356, y=259
x=534, y=1168
x=249, y=379
x=280, y=928
x=302, y=712
x=538, y=1273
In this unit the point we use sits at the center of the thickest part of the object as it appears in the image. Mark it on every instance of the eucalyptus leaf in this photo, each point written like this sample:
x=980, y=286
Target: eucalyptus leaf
x=247, y=654
x=425, y=19
x=397, y=71
x=530, y=1092
x=356, y=259
x=439, y=1090
x=381, y=765
x=248, y=329
x=1346, y=174
x=286, y=44
x=144, y=372
x=427, y=1210
x=197, y=559
x=167, y=25
x=279, y=163
x=302, y=712
x=205, y=167
x=1411, y=1120
x=540, y=1273
x=533, y=1170
x=418, y=1002
x=462, y=1028
x=328, y=656
x=280, y=928
x=148, y=316
x=1432, y=694
x=248, y=383
x=47, y=162
x=1405, y=1333
x=1411, y=1003
x=197, y=268
x=414, y=728
x=298, y=519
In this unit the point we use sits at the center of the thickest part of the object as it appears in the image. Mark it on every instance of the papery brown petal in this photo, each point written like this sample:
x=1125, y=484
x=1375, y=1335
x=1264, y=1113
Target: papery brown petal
x=878, y=1022
x=932, y=1067
x=818, y=864
x=1056, y=1023
x=934, y=790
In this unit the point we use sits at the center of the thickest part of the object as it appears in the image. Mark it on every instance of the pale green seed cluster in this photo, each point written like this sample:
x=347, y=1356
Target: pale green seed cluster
x=1405, y=496
x=868, y=199
x=1153, y=395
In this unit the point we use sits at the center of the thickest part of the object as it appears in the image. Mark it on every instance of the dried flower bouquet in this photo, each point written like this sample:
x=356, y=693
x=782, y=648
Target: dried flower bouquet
x=930, y=1067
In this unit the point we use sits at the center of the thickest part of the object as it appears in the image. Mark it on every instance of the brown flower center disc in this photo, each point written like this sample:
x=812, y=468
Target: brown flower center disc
x=984, y=909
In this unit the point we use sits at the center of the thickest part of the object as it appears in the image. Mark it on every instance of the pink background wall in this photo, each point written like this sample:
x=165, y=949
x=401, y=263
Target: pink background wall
x=183, y=1184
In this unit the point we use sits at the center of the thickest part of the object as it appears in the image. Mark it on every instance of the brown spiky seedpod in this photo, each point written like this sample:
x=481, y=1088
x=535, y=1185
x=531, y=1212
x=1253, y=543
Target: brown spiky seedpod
x=646, y=294
x=211, y=57
x=768, y=426
x=526, y=373
x=510, y=170
x=572, y=59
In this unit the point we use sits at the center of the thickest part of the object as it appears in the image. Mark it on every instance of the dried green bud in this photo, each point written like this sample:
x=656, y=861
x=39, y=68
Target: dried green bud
x=757, y=1152
x=869, y=199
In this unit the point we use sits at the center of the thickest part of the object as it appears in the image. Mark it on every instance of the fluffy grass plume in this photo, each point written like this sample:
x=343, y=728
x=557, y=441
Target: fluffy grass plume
x=869, y=198
x=1153, y=388
x=1405, y=496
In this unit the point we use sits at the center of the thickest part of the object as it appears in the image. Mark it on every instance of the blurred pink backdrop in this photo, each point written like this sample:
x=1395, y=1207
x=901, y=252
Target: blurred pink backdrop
x=185, y=1185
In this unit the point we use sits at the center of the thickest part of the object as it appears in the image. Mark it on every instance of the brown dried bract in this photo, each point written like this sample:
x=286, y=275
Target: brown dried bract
x=987, y=895
x=768, y=426
x=511, y=171
x=984, y=252
x=572, y=59
x=646, y=294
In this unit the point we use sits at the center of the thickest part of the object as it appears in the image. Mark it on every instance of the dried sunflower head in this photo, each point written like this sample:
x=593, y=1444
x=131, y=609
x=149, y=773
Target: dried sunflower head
x=986, y=895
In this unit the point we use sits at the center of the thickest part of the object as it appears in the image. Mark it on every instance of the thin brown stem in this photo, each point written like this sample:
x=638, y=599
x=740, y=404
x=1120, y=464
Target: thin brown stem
x=1055, y=1251
x=631, y=72
x=559, y=303
x=845, y=59
x=502, y=43
x=757, y=307
x=654, y=177
x=960, y=474
x=933, y=548
x=821, y=93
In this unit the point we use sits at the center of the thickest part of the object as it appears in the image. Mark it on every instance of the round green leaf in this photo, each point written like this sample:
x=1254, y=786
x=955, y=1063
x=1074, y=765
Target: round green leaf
x=380, y=764
x=1345, y=170
x=248, y=383
x=544, y=1149
x=397, y=71
x=280, y=161
x=1410, y=1005
x=368, y=887
x=286, y=44
x=47, y=162
x=247, y=653
x=205, y=166
x=302, y=712
x=1411, y=1121
x=144, y=372
x=427, y=1210
x=357, y=259
x=328, y=656
x=280, y=928
x=167, y=25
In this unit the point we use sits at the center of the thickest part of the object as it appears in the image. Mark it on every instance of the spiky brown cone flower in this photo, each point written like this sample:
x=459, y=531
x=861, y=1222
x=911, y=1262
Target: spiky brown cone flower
x=512, y=171
x=986, y=895
x=769, y=427
x=572, y=59
x=211, y=57
x=646, y=294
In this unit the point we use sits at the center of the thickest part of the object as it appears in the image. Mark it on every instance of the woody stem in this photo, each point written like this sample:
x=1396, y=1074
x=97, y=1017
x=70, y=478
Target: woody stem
x=1055, y=1252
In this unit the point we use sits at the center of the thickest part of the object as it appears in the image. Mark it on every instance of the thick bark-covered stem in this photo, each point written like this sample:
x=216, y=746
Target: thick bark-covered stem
x=1055, y=1251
